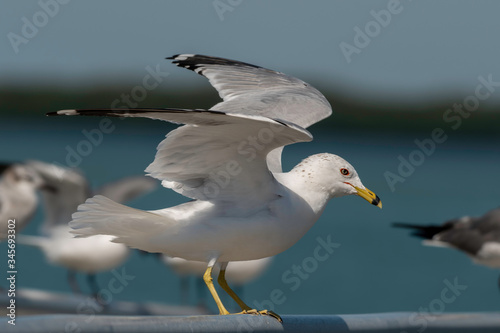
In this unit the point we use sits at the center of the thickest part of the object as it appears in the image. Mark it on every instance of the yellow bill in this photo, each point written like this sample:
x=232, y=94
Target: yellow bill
x=369, y=196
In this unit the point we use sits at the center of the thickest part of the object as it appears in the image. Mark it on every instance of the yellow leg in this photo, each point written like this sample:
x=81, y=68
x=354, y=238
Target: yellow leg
x=223, y=283
x=207, y=277
x=245, y=309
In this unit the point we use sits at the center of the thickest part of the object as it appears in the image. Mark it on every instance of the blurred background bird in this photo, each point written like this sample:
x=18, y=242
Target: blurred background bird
x=478, y=237
x=60, y=247
x=18, y=198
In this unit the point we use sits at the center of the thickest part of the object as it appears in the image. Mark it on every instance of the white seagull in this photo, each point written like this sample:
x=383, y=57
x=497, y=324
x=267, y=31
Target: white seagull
x=228, y=159
x=478, y=237
x=87, y=255
x=18, y=198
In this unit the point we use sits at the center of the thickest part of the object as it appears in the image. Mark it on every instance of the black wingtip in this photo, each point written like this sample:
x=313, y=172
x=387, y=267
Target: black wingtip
x=196, y=62
x=51, y=114
x=422, y=231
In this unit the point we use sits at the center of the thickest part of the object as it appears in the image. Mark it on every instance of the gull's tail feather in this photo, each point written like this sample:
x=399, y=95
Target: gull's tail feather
x=133, y=227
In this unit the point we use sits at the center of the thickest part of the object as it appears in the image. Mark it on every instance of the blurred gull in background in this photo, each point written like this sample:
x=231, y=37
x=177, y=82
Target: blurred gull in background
x=18, y=198
x=87, y=255
x=478, y=237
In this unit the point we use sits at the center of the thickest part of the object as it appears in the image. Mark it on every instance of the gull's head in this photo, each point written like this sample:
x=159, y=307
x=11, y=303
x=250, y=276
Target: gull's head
x=23, y=177
x=18, y=175
x=336, y=176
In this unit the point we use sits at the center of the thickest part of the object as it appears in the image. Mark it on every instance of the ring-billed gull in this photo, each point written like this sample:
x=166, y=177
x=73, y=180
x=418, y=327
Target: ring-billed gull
x=478, y=237
x=228, y=159
x=87, y=255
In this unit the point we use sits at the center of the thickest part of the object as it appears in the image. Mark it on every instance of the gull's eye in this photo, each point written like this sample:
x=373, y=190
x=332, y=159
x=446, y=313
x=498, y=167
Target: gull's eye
x=344, y=171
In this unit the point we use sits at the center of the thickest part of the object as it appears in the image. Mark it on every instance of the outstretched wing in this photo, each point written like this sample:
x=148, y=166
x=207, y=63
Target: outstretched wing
x=216, y=156
x=253, y=90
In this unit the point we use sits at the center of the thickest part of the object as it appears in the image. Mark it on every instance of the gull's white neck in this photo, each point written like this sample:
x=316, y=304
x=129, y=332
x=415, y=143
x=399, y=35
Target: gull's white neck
x=301, y=183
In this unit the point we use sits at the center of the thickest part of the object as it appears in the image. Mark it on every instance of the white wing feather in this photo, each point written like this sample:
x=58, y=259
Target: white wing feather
x=253, y=90
x=216, y=155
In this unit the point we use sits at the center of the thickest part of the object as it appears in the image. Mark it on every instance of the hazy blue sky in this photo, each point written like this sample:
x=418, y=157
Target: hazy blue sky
x=425, y=46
